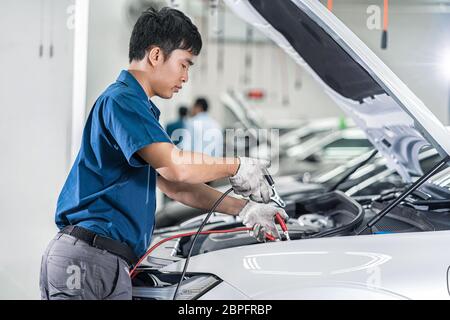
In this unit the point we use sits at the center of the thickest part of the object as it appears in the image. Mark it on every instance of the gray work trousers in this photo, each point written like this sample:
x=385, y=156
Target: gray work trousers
x=71, y=269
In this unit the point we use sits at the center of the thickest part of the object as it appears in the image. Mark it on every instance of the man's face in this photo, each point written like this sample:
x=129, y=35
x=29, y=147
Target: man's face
x=169, y=75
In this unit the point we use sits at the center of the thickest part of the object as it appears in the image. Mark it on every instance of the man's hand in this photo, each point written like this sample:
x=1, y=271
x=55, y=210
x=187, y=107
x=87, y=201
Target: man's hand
x=249, y=181
x=263, y=215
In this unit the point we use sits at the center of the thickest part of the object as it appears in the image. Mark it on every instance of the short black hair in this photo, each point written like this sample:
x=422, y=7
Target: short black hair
x=202, y=103
x=168, y=28
x=182, y=111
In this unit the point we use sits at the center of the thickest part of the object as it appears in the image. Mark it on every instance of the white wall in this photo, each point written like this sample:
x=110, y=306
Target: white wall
x=418, y=34
x=109, y=35
x=35, y=110
x=109, y=32
x=273, y=71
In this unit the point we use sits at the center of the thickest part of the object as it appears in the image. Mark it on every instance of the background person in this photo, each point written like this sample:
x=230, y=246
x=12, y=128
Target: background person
x=206, y=134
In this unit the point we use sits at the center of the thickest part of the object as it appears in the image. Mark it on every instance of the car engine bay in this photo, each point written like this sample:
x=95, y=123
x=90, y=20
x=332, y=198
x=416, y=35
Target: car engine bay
x=327, y=215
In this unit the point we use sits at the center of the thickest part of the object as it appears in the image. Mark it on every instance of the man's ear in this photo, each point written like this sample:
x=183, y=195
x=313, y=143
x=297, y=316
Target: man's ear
x=155, y=56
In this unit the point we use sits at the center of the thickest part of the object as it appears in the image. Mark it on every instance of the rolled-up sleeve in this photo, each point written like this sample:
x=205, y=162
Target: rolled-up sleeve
x=133, y=125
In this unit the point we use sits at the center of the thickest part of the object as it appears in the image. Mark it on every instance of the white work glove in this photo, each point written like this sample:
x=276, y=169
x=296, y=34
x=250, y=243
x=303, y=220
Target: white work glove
x=249, y=180
x=262, y=216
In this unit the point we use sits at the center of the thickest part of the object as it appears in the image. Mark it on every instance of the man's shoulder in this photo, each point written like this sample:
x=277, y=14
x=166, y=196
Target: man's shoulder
x=120, y=94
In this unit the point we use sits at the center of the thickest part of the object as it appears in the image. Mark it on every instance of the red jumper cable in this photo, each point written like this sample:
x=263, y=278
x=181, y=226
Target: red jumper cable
x=269, y=237
x=133, y=271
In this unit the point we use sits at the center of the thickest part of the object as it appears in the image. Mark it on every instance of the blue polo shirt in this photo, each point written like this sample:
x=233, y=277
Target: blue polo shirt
x=110, y=190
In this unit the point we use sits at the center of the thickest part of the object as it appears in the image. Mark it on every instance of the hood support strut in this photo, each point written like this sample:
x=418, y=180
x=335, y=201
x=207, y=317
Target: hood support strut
x=402, y=197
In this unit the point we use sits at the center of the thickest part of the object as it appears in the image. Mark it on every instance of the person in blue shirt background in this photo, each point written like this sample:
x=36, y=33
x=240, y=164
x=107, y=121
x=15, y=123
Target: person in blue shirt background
x=179, y=124
x=106, y=208
x=205, y=133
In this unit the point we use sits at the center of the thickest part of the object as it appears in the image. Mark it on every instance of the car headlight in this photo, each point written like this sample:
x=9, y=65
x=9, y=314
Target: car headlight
x=192, y=288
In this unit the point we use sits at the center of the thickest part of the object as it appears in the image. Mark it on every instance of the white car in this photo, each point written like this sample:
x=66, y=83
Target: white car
x=392, y=248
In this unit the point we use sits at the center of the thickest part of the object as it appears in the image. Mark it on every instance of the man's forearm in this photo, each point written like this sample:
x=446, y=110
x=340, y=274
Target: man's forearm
x=198, y=168
x=207, y=196
x=188, y=167
x=201, y=196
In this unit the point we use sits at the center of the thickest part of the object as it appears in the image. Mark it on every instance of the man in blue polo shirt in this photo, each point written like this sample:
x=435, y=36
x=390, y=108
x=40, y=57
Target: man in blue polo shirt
x=106, y=209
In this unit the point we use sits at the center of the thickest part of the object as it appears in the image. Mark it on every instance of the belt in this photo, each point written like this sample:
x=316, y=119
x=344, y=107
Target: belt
x=113, y=246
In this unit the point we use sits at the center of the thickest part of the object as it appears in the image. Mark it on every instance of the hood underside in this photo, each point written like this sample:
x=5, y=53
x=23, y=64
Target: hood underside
x=396, y=122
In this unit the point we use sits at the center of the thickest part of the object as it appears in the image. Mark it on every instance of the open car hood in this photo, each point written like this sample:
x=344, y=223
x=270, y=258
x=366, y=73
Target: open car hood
x=395, y=121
